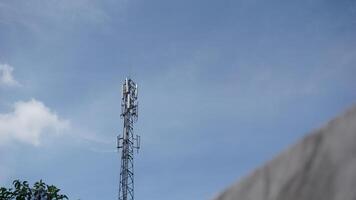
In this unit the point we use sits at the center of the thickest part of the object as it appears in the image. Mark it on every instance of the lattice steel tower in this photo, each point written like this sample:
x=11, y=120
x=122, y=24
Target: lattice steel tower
x=128, y=142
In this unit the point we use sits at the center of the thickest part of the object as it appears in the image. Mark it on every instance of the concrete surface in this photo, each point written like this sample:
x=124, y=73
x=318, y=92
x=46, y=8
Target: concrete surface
x=320, y=167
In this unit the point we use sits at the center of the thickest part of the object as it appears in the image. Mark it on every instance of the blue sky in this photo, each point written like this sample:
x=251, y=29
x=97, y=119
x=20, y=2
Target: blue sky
x=223, y=87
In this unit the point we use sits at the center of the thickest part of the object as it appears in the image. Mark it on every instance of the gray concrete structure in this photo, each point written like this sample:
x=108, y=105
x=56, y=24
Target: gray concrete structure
x=320, y=167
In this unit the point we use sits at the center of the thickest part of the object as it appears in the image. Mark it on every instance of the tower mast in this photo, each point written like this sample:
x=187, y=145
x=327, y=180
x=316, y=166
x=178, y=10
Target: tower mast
x=128, y=141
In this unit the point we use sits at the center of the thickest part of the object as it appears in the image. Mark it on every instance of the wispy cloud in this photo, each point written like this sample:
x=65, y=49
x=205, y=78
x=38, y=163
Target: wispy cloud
x=29, y=122
x=6, y=76
x=39, y=16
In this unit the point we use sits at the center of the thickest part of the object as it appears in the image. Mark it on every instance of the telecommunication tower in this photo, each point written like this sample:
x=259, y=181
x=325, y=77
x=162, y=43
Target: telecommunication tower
x=128, y=142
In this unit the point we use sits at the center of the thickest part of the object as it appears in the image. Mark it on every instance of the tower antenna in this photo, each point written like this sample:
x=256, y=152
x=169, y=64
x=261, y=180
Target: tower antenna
x=128, y=142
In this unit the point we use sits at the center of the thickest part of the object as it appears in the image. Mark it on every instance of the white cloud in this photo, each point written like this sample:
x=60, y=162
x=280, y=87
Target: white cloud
x=29, y=122
x=6, y=77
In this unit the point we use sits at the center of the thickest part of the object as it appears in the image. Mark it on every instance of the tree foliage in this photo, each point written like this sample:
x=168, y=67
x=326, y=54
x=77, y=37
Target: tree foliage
x=39, y=191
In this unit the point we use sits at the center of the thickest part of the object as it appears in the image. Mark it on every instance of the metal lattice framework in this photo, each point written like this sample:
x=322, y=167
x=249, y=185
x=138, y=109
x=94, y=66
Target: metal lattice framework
x=128, y=142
